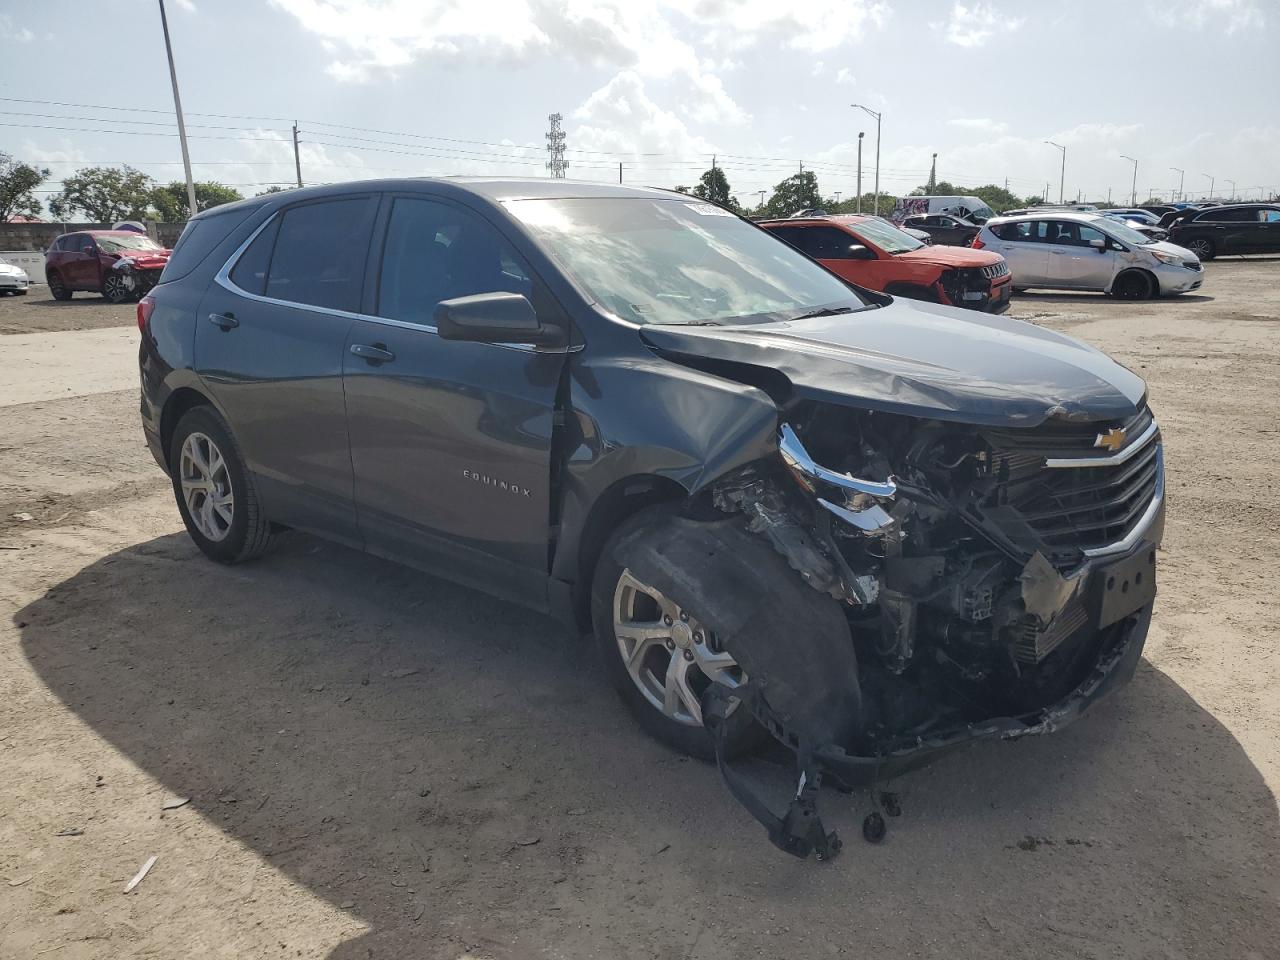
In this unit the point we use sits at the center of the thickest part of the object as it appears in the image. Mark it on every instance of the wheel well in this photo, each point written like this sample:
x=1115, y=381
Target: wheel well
x=180, y=401
x=619, y=502
x=1151, y=279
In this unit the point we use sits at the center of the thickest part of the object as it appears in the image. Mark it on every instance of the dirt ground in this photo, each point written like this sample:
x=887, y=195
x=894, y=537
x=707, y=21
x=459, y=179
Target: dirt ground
x=384, y=765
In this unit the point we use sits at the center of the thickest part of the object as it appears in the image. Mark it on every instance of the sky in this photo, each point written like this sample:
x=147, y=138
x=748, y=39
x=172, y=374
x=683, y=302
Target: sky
x=384, y=88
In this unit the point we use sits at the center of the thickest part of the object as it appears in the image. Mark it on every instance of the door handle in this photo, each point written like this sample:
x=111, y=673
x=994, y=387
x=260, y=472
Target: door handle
x=224, y=321
x=375, y=353
x=1058, y=253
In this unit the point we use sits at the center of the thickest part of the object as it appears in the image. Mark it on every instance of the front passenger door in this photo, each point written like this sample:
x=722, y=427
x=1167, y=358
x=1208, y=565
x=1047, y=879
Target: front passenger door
x=451, y=440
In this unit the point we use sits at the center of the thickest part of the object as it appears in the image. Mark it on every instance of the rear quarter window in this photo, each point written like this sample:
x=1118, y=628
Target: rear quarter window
x=198, y=239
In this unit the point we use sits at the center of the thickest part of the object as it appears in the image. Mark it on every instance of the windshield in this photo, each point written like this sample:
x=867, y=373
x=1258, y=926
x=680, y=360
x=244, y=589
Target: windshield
x=122, y=242
x=981, y=214
x=885, y=235
x=676, y=261
x=1127, y=234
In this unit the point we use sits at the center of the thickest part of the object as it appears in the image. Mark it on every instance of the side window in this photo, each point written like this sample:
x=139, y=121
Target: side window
x=1269, y=216
x=1022, y=231
x=1226, y=216
x=436, y=251
x=790, y=234
x=1062, y=232
x=319, y=253
x=827, y=243
x=250, y=271
x=1088, y=235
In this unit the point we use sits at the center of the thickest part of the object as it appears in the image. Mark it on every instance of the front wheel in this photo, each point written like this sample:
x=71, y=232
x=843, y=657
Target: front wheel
x=214, y=490
x=1132, y=285
x=1202, y=248
x=679, y=604
x=114, y=289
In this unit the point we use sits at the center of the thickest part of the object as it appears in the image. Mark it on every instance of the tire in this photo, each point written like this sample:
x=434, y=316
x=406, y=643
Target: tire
x=1133, y=285
x=1202, y=247
x=741, y=600
x=114, y=290
x=228, y=490
x=57, y=289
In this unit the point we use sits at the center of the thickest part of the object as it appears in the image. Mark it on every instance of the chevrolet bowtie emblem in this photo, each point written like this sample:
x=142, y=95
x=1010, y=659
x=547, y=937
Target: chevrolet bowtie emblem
x=1112, y=440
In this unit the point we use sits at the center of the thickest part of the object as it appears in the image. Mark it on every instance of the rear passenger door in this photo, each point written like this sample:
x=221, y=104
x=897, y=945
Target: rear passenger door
x=269, y=346
x=451, y=440
x=1266, y=233
x=1023, y=247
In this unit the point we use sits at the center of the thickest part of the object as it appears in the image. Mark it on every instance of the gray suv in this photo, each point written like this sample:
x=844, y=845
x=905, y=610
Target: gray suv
x=785, y=507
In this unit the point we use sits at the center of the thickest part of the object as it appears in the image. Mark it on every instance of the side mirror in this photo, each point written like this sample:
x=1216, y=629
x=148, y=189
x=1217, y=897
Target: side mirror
x=858, y=252
x=1099, y=245
x=494, y=318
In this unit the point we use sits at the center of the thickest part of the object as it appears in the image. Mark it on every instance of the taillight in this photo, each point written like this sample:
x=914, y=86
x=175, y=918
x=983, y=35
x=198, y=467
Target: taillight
x=977, y=244
x=145, y=306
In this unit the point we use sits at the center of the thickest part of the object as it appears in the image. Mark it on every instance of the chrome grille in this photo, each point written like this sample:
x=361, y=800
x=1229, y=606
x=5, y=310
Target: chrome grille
x=1075, y=498
x=1193, y=265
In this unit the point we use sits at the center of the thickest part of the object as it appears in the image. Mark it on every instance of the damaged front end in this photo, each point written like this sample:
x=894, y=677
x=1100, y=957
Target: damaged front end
x=996, y=581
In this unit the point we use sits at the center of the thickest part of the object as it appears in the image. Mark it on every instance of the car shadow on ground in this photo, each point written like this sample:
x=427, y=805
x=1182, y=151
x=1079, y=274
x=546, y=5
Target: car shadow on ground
x=452, y=771
x=81, y=299
x=1060, y=296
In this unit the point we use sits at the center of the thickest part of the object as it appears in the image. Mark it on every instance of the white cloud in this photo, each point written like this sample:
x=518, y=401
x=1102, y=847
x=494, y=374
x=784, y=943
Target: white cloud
x=845, y=75
x=1231, y=16
x=973, y=25
x=10, y=31
x=979, y=123
x=187, y=5
x=817, y=68
x=815, y=26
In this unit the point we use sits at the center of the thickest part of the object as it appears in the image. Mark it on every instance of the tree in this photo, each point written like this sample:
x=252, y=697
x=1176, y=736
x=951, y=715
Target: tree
x=274, y=188
x=714, y=186
x=18, y=182
x=798, y=191
x=104, y=195
x=171, y=201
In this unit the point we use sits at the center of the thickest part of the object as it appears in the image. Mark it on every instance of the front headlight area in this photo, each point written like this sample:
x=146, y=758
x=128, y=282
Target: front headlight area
x=1171, y=259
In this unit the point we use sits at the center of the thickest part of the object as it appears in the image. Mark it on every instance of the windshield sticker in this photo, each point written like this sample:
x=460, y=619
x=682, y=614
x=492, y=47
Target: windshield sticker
x=708, y=210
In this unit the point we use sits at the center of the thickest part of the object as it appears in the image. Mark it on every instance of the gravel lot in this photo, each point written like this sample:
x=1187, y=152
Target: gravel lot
x=384, y=765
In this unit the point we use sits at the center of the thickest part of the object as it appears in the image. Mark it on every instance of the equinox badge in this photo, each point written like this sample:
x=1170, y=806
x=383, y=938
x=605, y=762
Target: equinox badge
x=1112, y=440
x=489, y=481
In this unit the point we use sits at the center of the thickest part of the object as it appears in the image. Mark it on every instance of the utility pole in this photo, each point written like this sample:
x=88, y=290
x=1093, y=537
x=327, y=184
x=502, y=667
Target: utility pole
x=619, y=171
x=555, y=146
x=762, y=193
x=177, y=108
x=1006, y=184
x=297, y=158
x=1233, y=188
x=1182, y=177
x=873, y=113
x=837, y=198
x=1108, y=195
x=1211, y=182
x=861, y=134
x=933, y=175
x=1062, y=181
x=1134, y=201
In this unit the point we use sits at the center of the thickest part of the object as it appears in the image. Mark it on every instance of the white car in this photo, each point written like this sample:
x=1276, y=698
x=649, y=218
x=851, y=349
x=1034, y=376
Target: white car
x=1084, y=251
x=13, y=279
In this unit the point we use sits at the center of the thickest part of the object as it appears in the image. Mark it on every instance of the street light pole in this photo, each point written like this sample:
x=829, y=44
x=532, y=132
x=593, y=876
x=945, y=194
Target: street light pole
x=861, y=134
x=177, y=106
x=1061, y=182
x=1211, y=182
x=1182, y=177
x=1233, y=188
x=870, y=112
x=1133, y=202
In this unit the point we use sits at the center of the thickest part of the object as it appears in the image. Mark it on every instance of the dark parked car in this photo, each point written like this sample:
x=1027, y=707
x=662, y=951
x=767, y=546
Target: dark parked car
x=1235, y=228
x=944, y=228
x=870, y=528
x=120, y=264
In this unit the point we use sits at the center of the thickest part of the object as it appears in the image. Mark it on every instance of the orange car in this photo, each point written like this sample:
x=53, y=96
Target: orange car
x=875, y=254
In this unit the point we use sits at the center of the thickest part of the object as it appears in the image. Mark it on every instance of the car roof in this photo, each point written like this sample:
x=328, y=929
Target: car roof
x=849, y=218
x=1082, y=217
x=494, y=189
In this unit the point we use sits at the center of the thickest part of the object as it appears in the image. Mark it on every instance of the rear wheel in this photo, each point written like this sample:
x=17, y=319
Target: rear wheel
x=1202, y=248
x=1133, y=285
x=214, y=490
x=57, y=289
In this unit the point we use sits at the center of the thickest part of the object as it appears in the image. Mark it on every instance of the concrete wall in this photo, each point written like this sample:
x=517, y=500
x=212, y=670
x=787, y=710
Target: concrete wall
x=24, y=244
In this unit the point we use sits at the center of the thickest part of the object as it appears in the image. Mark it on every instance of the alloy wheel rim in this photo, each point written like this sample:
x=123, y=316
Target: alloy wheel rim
x=113, y=289
x=1199, y=247
x=669, y=655
x=206, y=487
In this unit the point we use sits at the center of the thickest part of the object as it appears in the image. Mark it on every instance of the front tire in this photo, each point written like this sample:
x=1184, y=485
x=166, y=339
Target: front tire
x=57, y=289
x=1133, y=285
x=114, y=289
x=215, y=493
x=1202, y=248
x=678, y=604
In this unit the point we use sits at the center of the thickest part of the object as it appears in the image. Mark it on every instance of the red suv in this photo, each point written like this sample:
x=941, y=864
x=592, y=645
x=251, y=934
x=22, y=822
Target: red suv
x=875, y=254
x=120, y=264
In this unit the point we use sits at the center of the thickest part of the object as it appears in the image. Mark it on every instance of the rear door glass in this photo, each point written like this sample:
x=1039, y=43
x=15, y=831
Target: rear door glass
x=250, y=271
x=826, y=243
x=320, y=251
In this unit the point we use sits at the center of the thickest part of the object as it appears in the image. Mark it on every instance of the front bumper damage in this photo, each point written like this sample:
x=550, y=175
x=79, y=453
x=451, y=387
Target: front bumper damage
x=1088, y=619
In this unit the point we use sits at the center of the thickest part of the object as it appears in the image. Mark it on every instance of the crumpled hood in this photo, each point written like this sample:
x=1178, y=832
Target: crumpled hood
x=946, y=256
x=923, y=360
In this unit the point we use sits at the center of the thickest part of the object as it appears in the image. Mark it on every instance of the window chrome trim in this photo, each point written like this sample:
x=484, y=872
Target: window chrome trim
x=1144, y=523
x=1132, y=450
x=223, y=279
